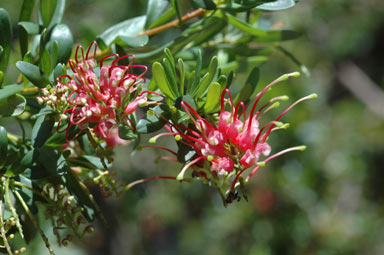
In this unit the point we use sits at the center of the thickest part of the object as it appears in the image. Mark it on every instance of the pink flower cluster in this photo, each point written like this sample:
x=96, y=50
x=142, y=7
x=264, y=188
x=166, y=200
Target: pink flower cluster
x=99, y=101
x=235, y=141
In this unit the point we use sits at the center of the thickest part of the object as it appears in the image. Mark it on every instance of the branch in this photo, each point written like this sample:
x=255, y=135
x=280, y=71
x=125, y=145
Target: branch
x=197, y=13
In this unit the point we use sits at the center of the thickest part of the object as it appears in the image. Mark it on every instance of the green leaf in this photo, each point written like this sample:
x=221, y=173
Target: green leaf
x=53, y=161
x=249, y=87
x=244, y=26
x=3, y=146
x=211, y=27
x=41, y=130
x=33, y=73
x=57, y=71
x=10, y=90
x=303, y=68
x=162, y=81
x=45, y=62
x=196, y=77
x=165, y=17
x=205, y=4
x=5, y=39
x=75, y=187
x=185, y=152
x=176, y=7
x=30, y=28
x=63, y=35
x=131, y=41
x=96, y=161
x=58, y=14
x=25, y=15
x=276, y=5
x=26, y=10
x=153, y=122
x=204, y=83
x=155, y=10
x=47, y=9
x=128, y=28
x=12, y=106
x=127, y=133
x=213, y=97
x=170, y=72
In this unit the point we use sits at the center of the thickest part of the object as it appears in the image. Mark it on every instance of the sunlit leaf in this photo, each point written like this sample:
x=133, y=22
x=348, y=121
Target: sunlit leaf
x=12, y=106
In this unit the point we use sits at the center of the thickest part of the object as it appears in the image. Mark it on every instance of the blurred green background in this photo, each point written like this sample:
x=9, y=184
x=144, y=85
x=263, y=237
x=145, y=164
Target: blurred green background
x=323, y=201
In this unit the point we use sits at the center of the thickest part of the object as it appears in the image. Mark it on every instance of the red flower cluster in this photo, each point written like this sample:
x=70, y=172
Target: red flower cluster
x=235, y=142
x=103, y=96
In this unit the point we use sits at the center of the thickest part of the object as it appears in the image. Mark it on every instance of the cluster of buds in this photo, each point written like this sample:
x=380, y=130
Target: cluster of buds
x=235, y=142
x=107, y=183
x=66, y=215
x=100, y=102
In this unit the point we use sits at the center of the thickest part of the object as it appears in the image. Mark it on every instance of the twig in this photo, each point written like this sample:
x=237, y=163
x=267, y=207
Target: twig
x=34, y=221
x=6, y=244
x=197, y=13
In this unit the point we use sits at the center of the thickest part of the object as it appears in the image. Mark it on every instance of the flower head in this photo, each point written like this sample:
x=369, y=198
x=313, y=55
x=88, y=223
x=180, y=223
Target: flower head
x=233, y=143
x=100, y=97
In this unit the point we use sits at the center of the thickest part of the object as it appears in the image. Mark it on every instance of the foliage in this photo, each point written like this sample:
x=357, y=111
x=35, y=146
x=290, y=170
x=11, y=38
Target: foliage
x=81, y=107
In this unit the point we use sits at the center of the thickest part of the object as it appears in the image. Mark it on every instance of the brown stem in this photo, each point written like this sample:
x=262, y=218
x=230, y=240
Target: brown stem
x=197, y=13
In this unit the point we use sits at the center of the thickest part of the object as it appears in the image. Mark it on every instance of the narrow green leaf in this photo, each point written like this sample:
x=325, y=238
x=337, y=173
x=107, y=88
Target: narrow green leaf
x=176, y=7
x=10, y=90
x=58, y=14
x=45, y=62
x=161, y=80
x=5, y=38
x=182, y=75
x=213, y=97
x=155, y=10
x=165, y=17
x=204, y=83
x=26, y=10
x=196, y=77
x=12, y=106
x=245, y=26
x=41, y=131
x=25, y=15
x=47, y=9
x=3, y=146
x=249, y=87
x=33, y=73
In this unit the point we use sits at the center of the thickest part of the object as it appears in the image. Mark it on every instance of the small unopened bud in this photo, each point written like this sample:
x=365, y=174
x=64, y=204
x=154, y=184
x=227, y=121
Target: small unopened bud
x=210, y=158
x=88, y=113
x=177, y=137
x=23, y=249
x=83, y=100
x=39, y=100
x=261, y=163
x=152, y=140
x=11, y=236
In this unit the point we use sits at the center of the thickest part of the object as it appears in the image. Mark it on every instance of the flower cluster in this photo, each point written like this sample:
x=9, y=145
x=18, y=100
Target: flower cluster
x=64, y=213
x=102, y=101
x=234, y=142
